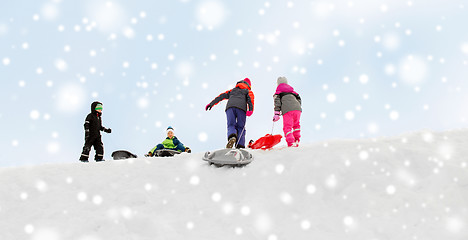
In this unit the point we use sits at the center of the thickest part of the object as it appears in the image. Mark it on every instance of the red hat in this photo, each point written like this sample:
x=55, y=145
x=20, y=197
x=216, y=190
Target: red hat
x=248, y=81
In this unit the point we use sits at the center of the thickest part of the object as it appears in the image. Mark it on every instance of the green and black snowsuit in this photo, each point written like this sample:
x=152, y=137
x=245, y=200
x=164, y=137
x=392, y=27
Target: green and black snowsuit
x=168, y=143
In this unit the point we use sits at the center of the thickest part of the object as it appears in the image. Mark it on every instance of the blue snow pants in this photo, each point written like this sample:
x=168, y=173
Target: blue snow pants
x=236, y=123
x=179, y=147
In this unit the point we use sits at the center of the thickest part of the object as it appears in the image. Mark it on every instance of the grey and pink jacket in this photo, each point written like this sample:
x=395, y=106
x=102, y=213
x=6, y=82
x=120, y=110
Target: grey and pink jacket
x=286, y=99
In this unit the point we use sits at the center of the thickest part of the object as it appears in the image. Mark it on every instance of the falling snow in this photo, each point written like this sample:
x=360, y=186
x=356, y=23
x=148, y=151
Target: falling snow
x=364, y=69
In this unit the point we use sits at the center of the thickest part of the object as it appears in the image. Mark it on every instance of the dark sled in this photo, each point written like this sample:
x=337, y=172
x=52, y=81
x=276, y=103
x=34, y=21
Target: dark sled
x=123, y=154
x=165, y=153
x=228, y=157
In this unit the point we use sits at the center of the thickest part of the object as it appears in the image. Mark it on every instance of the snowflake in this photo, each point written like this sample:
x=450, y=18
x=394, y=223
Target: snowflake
x=286, y=198
x=211, y=14
x=390, y=190
x=6, y=61
x=363, y=155
x=29, y=228
x=61, y=65
x=190, y=225
x=364, y=79
x=128, y=32
x=331, y=181
x=263, y=223
x=391, y=41
x=348, y=221
x=97, y=200
x=228, y=208
x=41, y=186
x=216, y=197
x=454, y=225
x=194, y=180
x=464, y=48
x=349, y=115
x=82, y=196
x=394, y=115
x=34, y=114
x=245, y=211
x=279, y=168
x=311, y=189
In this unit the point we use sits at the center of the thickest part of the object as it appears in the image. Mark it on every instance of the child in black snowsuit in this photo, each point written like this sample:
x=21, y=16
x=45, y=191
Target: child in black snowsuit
x=93, y=127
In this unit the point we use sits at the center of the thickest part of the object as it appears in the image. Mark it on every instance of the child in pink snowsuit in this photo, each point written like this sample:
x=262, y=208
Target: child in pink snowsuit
x=288, y=103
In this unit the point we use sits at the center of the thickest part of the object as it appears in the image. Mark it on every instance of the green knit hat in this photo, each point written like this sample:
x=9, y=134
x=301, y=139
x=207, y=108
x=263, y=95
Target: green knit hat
x=98, y=107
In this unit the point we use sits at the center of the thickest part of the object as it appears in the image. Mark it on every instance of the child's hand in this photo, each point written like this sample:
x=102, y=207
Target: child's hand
x=107, y=130
x=277, y=116
x=208, y=107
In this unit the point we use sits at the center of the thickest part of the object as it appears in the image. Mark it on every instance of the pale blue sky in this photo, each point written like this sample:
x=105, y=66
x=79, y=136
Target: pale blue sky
x=363, y=68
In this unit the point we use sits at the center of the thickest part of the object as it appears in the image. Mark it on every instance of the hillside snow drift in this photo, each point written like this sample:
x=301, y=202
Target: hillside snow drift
x=413, y=186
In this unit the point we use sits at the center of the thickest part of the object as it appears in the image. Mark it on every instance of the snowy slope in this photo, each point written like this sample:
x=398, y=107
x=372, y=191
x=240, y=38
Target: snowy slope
x=413, y=186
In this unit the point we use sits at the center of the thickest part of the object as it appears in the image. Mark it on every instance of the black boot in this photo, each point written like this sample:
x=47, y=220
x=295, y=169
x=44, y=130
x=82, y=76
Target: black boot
x=85, y=154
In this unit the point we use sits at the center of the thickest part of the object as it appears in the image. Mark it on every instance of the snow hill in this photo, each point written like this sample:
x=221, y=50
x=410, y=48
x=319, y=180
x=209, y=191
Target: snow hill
x=414, y=186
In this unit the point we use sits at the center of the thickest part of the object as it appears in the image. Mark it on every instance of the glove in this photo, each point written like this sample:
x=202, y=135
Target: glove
x=249, y=113
x=107, y=130
x=277, y=116
x=251, y=142
x=208, y=107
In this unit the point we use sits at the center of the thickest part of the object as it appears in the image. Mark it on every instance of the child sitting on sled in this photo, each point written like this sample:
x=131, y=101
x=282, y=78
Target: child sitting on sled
x=288, y=103
x=171, y=143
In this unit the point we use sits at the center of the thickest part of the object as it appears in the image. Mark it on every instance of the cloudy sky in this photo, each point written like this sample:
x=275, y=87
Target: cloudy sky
x=364, y=69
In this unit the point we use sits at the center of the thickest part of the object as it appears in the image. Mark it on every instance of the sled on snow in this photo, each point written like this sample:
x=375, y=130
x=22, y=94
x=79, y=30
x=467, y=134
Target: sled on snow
x=228, y=157
x=122, y=154
x=165, y=153
x=266, y=142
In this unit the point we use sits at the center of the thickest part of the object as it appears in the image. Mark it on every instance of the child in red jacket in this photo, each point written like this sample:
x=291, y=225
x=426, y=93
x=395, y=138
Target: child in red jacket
x=239, y=106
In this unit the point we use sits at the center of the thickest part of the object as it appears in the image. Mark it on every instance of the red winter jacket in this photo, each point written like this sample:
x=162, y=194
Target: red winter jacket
x=239, y=97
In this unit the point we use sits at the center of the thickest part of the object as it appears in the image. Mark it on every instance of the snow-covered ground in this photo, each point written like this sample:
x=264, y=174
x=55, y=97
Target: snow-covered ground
x=413, y=186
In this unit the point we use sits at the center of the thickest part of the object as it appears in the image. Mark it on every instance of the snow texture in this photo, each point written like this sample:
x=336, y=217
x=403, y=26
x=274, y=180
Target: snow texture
x=407, y=187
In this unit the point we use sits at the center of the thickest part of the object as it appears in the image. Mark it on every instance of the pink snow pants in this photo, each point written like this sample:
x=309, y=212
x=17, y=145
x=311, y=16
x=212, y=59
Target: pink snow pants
x=292, y=126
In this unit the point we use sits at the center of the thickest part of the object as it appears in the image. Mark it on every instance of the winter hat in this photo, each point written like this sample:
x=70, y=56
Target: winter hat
x=94, y=104
x=282, y=80
x=248, y=81
x=170, y=129
x=98, y=107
